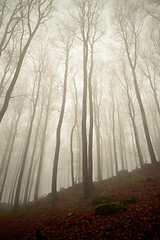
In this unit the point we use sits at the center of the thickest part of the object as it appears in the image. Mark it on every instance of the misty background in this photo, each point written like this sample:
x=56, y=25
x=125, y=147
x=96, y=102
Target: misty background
x=43, y=49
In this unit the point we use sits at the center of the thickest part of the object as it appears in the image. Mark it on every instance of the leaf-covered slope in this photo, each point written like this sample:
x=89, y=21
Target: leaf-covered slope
x=73, y=217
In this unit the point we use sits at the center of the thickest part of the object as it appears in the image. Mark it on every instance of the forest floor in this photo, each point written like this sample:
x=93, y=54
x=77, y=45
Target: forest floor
x=72, y=217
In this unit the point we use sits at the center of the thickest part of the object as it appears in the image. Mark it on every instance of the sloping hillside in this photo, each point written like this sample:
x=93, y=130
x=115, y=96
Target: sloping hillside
x=73, y=217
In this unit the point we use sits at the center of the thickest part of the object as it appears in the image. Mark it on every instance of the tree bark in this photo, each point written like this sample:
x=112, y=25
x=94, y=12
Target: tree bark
x=18, y=190
x=32, y=159
x=90, y=146
x=58, y=131
x=42, y=146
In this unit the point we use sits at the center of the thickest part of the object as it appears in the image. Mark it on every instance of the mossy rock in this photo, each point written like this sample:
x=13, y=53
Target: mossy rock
x=101, y=199
x=130, y=200
x=122, y=172
x=109, y=208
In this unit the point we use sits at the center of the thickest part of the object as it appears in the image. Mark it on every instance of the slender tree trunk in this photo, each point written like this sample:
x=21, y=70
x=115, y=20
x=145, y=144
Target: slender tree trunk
x=110, y=147
x=9, y=157
x=32, y=177
x=141, y=161
x=18, y=190
x=111, y=155
x=72, y=131
x=16, y=75
x=18, y=167
x=42, y=147
x=114, y=138
x=32, y=159
x=90, y=145
x=79, y=154
x=145, y=125
x=86, y=188
x=58, y=132
x=13, y=189
x=5, y=153
x=120, y=135
x=144, y=119
x=134, y=146
x=98, y=143
x=135, y=130
x=153, y=87
x=71, y=151
x=43, y=9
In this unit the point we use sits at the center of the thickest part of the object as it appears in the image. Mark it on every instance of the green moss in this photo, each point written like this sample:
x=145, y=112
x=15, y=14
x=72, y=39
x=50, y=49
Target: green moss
x=100, y=199
x=109, y=208
x=129, y=200
x=122, y=172
x=77, y=223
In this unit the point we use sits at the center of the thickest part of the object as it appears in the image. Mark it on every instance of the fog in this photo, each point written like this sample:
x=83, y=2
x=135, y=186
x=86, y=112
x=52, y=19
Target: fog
x=79, y=93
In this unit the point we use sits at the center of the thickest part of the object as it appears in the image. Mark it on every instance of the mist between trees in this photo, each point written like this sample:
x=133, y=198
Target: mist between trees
x=79, y=93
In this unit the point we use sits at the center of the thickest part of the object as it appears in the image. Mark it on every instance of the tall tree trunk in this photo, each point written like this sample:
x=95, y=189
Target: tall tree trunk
x=18, y=167
x=86, y=188
x=152, y=84
x=18, y=190
x=90, y=145
x=58, y=132
x=43, y=9
x=98, y=144
x=141, y=161
x=9, y=140
x=145, y=125
x=79, y=155
x=32, y=158
x=132, y=116
x=111, y=146
x=120, y=135
x=139, y=99
x=32, y=177
x=72, y=131
x=42, y=146
x=9, y=156
x=13, y=187
x=114, y=137
x=71, y=152
x=16, y=75
x=134, y=145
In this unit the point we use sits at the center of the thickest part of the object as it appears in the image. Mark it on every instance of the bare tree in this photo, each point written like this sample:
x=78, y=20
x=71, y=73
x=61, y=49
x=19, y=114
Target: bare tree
x=26, y=194
x=8, y=143
x=67, y=45
x=14, y=127
x=148, y=66
x=73, y=128
x=90, y=32
x=130, y=94
x=35, y=99
x=44, y=132
x=92, y=41
x=129, y=31
x=29, y=15
x=97, y=102
x=152, y=7
x=114, y=130
x=122, y=149
x=9, y=19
